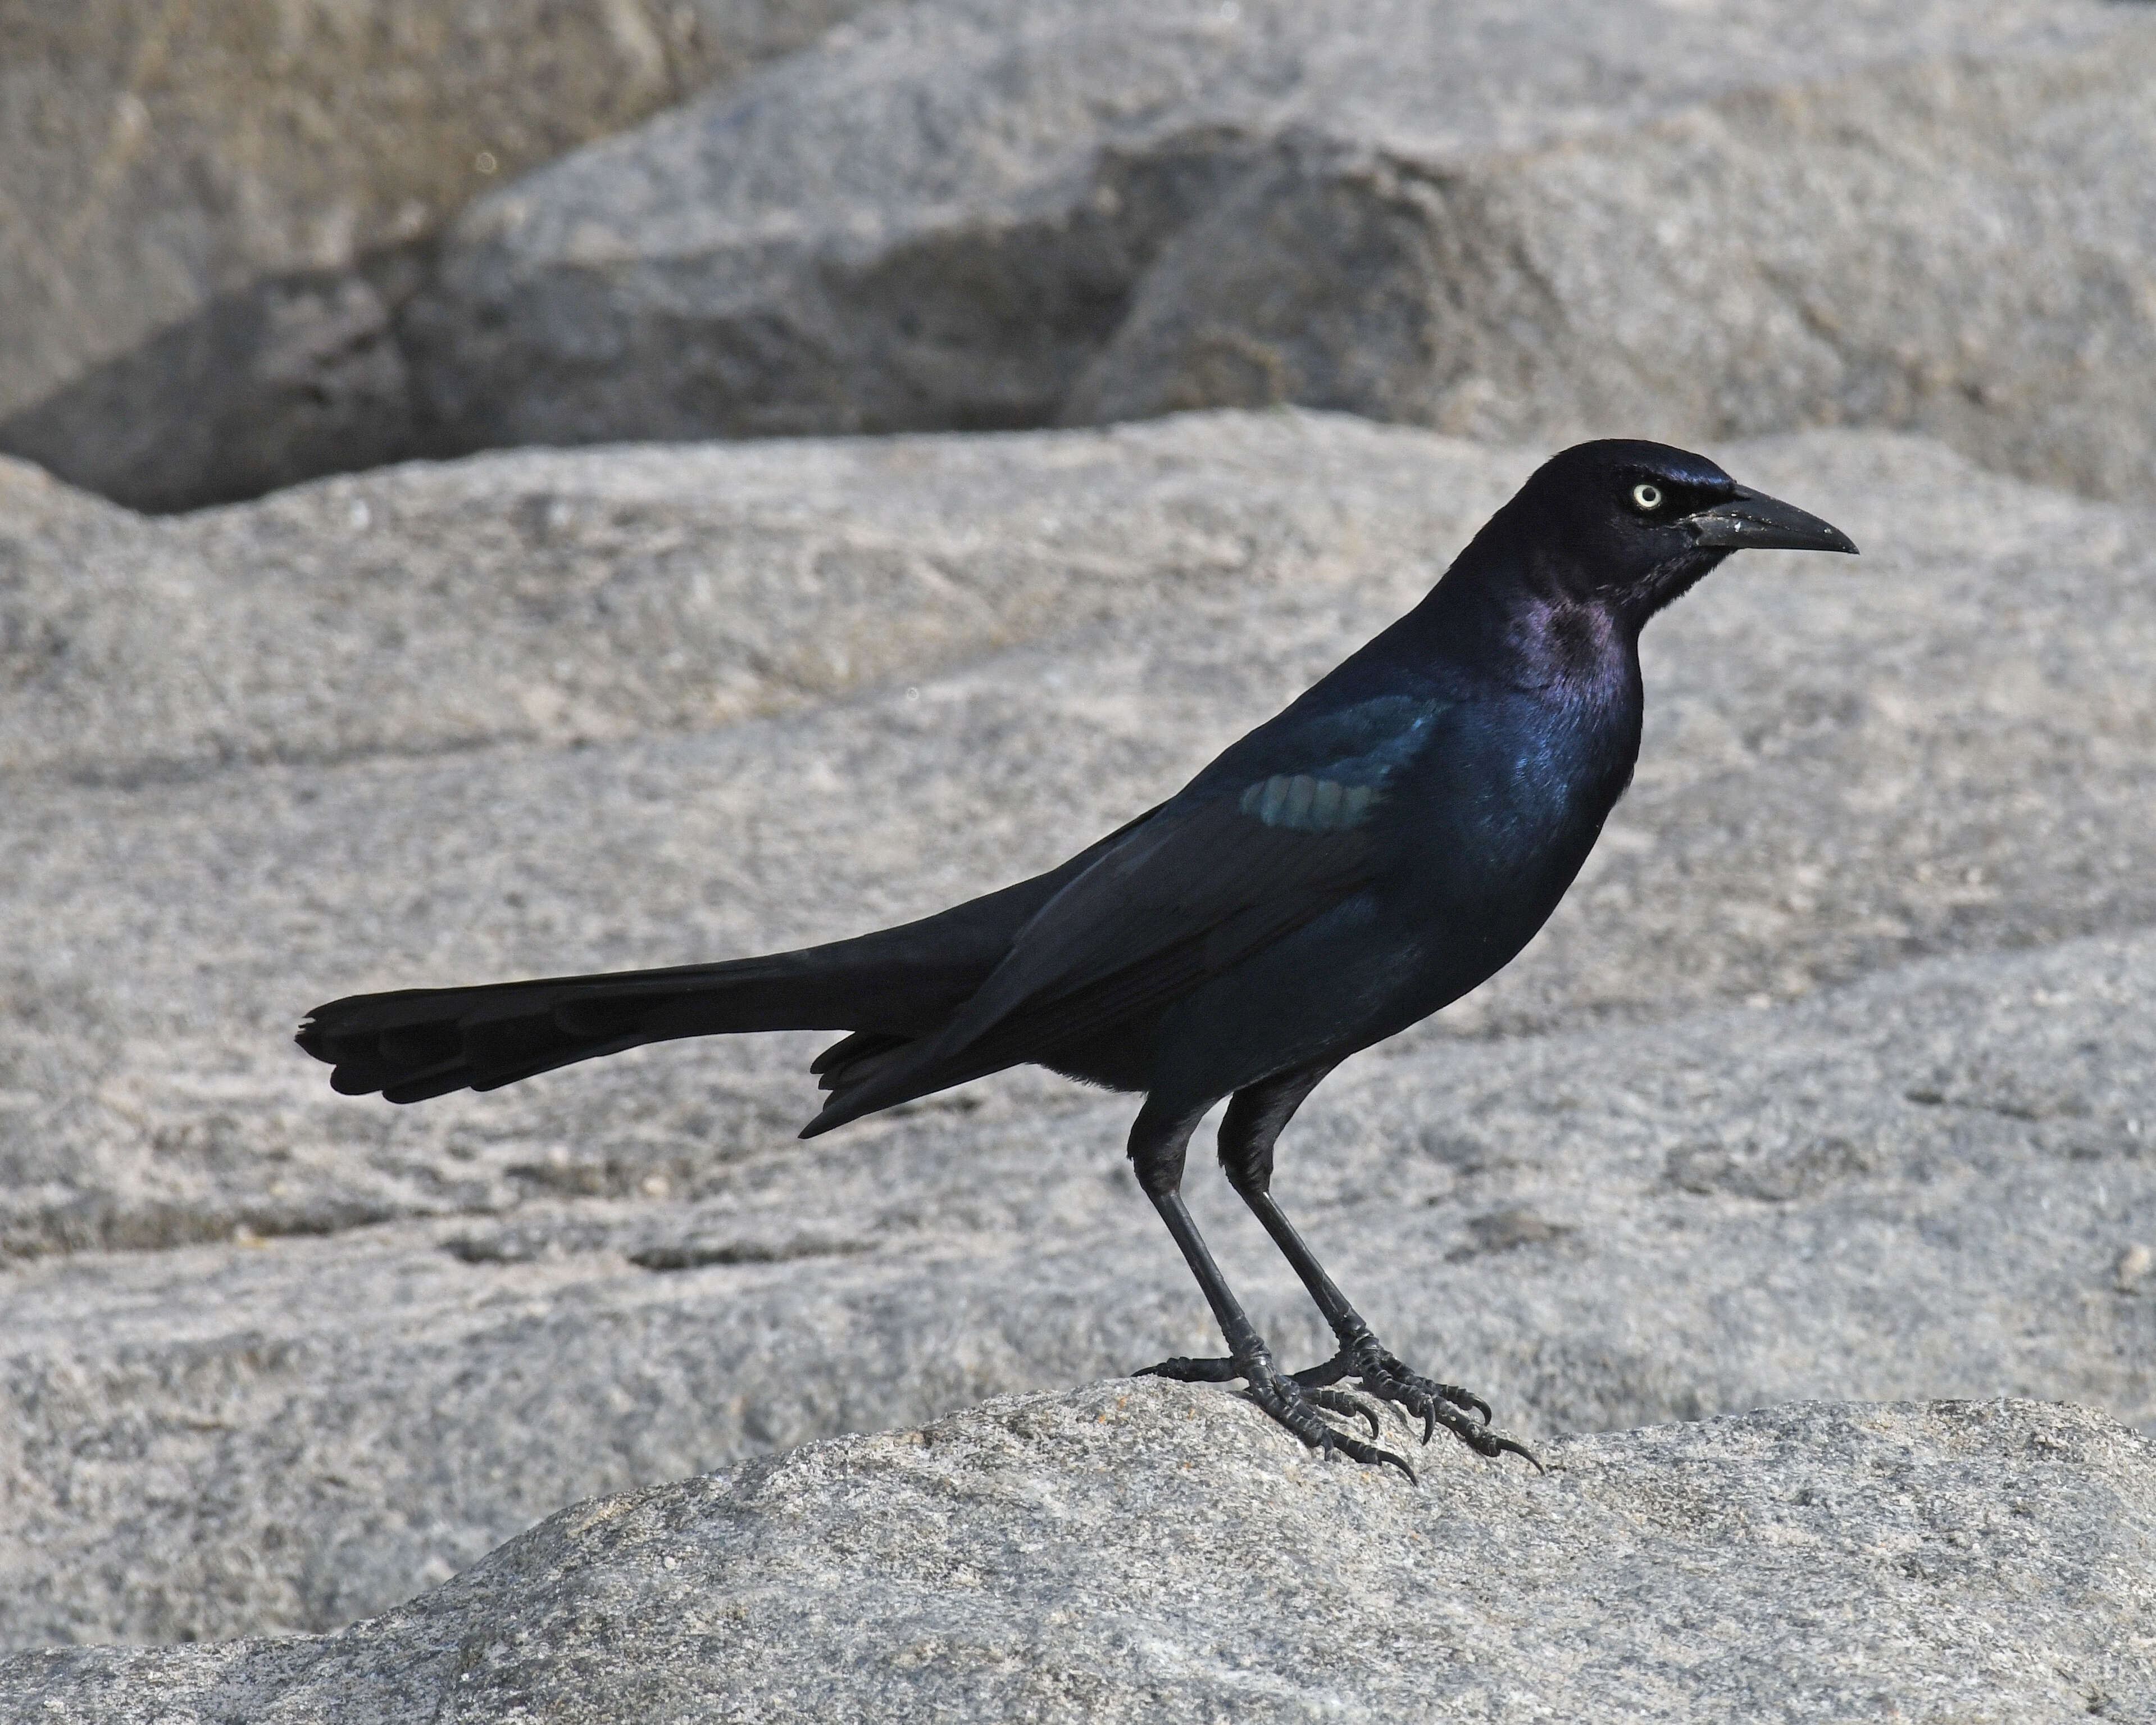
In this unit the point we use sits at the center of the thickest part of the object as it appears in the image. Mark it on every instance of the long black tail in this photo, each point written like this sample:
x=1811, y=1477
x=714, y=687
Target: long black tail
x=890, y=988
x=418, y=1042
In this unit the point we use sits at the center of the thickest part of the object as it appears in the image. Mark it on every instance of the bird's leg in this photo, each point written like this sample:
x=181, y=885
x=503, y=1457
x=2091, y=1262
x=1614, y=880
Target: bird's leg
x=1157, y=1143
x=1254, y=1122
x=1373, y=1367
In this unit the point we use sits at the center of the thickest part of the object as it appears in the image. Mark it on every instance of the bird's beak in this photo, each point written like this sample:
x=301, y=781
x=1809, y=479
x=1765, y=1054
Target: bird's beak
x=1752, y=521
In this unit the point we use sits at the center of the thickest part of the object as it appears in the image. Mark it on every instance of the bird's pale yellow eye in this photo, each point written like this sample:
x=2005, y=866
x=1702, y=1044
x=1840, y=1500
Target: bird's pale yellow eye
x=1646, y=499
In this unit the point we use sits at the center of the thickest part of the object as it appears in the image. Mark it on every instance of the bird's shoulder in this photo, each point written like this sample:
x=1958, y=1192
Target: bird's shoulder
x=1326, y=764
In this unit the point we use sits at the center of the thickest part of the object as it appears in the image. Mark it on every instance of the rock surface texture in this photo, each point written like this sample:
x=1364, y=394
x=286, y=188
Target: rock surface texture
x=1834, y=1078
x=1692, y=221
x=210, y=212
x=1140, y=1551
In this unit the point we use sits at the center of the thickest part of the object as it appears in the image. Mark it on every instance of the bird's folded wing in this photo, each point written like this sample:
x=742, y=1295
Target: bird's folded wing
x=1182, y=898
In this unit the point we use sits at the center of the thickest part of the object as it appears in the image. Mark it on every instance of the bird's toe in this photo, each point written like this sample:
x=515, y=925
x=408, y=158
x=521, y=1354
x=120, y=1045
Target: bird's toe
x=1303, y=1411
x=1183, y=1370
x=1378, y=1374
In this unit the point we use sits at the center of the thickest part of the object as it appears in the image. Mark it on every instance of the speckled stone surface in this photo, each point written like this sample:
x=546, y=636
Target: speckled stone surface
x=1139, y=1551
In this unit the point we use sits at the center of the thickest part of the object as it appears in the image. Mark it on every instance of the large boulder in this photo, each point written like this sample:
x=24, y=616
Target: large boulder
x=277, y=1359
x=1693, y=222
x=1145, y=1552
x=213, y=211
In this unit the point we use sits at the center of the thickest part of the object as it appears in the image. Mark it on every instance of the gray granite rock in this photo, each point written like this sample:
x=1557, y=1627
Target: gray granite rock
x=277, y=1360
x=1947, y=245
x=1140, y=1551
x=1696, y=220
x=208, y=214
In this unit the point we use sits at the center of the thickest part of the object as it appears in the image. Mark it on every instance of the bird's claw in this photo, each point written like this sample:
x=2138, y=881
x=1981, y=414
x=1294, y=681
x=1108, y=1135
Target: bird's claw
x=1294, y=1402
x=1377, y=1372
x=1297, y=1406
x=1338, y=1401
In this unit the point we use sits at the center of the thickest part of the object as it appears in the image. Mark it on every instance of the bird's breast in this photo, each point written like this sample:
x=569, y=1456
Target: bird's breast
x=1511, y=811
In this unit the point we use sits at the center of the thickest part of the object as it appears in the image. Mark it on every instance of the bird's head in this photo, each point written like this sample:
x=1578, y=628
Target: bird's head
x=1633, y=524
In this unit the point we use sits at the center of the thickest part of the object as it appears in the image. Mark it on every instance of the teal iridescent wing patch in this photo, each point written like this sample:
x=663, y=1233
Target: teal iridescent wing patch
x=1306, y=804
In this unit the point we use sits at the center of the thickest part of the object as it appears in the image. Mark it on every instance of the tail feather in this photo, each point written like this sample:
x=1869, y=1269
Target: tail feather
x=889, y=989
x=846, y=1061
x=420, y=1043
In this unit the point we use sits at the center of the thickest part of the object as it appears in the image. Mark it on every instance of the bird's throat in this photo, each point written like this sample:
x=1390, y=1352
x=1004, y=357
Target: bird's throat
x=1670, y=582
x=1579, y=652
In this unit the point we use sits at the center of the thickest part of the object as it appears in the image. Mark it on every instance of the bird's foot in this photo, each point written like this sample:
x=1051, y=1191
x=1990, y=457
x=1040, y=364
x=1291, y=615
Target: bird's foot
x=1377, y=1372
x=1300, y=1407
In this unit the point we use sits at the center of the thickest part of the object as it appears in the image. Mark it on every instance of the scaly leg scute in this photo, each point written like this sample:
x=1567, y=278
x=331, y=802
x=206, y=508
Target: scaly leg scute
x=1298, y=1406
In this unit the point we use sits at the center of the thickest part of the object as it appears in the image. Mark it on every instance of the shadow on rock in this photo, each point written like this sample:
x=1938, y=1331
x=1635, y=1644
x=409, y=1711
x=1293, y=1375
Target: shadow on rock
x=281, y=380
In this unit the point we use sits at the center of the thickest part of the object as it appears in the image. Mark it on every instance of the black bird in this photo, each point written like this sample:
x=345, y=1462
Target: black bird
x=1369, y=855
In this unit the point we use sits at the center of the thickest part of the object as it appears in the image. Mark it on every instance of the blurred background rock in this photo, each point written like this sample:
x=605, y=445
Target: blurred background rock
x=237, y=255
x=211, y=209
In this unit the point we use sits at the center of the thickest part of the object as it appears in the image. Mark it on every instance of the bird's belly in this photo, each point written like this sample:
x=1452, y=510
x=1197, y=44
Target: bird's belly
x=1334, y=985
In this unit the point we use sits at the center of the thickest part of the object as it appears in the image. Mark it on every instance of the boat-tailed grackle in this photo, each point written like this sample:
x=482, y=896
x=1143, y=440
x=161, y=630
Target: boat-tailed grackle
x=1370, y=854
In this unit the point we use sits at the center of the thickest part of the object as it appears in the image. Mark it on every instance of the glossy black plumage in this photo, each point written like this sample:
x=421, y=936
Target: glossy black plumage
x=1373, y=852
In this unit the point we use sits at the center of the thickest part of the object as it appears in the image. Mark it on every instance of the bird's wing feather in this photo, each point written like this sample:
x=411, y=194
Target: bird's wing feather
x=1206, y=882
x=1276, y=833
x=1156, y=918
